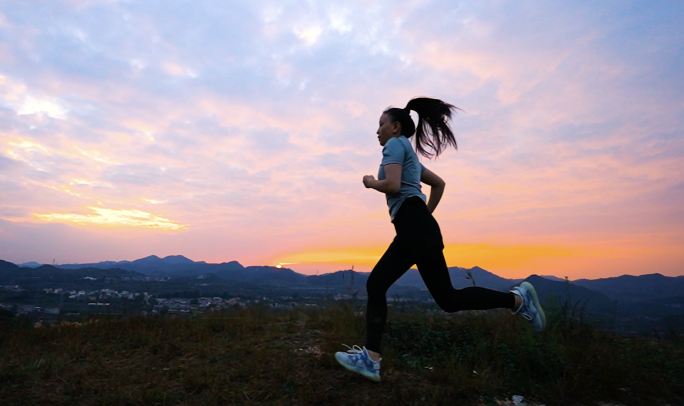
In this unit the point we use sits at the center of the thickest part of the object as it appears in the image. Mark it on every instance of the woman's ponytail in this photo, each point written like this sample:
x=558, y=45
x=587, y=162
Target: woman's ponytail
x=433, y=134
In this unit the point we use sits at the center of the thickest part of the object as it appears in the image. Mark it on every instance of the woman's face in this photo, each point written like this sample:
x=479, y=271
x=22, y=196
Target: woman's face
x=387, y=129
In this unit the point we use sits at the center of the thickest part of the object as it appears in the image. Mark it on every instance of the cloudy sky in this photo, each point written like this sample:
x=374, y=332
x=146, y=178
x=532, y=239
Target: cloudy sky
x=241, y=130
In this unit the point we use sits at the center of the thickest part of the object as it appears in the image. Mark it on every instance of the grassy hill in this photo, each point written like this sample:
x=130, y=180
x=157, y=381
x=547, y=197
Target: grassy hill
x=259, y=356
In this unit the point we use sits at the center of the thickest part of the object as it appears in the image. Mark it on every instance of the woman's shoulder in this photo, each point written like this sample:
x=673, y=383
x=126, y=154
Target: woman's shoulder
x=393, y=141
x=405, y=144
x=398, y=142
x=393, y=144
x=398, y=146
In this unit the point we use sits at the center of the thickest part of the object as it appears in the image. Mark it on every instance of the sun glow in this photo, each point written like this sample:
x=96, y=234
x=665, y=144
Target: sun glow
x=114, y=217
x=511, y=259
x=361, y=256
x=497, y=256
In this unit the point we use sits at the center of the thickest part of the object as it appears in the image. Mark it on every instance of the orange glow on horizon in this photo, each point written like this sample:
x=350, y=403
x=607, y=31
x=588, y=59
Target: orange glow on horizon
x=515, y=261
x=365, y=256
x=472, y=253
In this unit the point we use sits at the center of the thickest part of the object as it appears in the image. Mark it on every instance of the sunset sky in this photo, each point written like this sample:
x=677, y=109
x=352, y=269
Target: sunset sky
x=241, y=130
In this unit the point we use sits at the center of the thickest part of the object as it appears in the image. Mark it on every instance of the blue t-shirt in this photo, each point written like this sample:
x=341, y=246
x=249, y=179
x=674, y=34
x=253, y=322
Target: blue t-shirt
x=398, y=150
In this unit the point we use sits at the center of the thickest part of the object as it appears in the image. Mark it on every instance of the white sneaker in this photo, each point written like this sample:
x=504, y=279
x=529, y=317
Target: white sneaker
x=530, y=309
x=357, y=360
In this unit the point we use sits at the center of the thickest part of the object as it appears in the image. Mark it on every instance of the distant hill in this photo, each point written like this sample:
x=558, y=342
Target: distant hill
x=179, y=259
x=553, y=278
x=7, y=268
x=600, y=293
x=339, y=279
x=268, y=275
x=11, y=274
x=173, y=266
x=178, y=266
x=576, y=295
x=636, y=288
x=32, y=264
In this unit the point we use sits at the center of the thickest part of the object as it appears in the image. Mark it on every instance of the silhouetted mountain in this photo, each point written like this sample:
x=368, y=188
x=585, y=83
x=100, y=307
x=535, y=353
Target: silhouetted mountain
x=31, y=264
x=173, y=266
x=179, y=259
x=100, y=265
x=151, y=260
x=600, y=293
x=567, y=291
x=156, y=262
x=636, y=288
x=7, y=268
x=553, y=278
x=263, y=274
x=11, y=274
x=178, y=266
x=339, y=279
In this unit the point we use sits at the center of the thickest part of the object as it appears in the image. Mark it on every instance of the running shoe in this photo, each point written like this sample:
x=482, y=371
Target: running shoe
x=357, y=360
x=530, y=309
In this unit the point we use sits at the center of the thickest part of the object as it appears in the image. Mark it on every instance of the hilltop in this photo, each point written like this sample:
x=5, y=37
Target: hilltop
x=262, y=356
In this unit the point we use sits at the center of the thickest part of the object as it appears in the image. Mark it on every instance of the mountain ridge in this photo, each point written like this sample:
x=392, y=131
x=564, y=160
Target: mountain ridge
x=599, y=292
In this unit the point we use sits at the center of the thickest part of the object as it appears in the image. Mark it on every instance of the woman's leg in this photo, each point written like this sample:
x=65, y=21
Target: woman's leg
x=435, y=274
x=393, y=264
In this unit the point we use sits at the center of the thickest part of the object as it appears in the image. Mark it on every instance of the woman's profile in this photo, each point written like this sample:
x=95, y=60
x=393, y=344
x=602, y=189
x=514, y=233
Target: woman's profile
x=418, y=239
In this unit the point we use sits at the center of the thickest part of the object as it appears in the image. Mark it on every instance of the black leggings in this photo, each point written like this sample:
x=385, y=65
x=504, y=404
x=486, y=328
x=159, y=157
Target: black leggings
x=419, y=242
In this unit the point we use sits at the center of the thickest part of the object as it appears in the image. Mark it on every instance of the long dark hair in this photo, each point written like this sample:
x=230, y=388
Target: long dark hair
x=433, y=134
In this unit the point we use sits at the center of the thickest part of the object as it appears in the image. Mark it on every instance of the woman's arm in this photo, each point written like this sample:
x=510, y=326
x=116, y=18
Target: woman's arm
x=436, y=188
x=392, y=182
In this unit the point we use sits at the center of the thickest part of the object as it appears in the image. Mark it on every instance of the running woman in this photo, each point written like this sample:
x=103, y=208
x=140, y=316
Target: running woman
x=419, y=239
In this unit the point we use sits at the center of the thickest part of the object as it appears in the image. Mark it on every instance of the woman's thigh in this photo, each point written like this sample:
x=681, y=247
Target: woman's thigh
x=393, y=264
x=418, y=227
x=433, y=269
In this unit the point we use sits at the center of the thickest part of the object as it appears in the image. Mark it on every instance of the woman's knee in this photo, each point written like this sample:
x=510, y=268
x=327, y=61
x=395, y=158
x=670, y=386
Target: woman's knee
x=448, y=306
x=375, y=287
x=449, y=301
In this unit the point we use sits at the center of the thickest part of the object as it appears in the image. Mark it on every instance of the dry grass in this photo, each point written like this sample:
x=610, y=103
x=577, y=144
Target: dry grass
x=257, y=356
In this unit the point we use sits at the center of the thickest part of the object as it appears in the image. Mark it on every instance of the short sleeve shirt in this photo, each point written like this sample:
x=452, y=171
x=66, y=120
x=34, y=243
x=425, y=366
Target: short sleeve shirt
x=398, y=150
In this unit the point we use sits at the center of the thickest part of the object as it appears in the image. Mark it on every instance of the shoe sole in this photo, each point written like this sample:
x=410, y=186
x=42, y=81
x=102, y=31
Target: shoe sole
x=351, y=368
x=533, y=292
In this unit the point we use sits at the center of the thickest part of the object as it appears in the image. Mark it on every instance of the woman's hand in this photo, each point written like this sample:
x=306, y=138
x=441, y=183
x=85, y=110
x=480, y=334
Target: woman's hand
x=368, y=180
x=391, y=184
